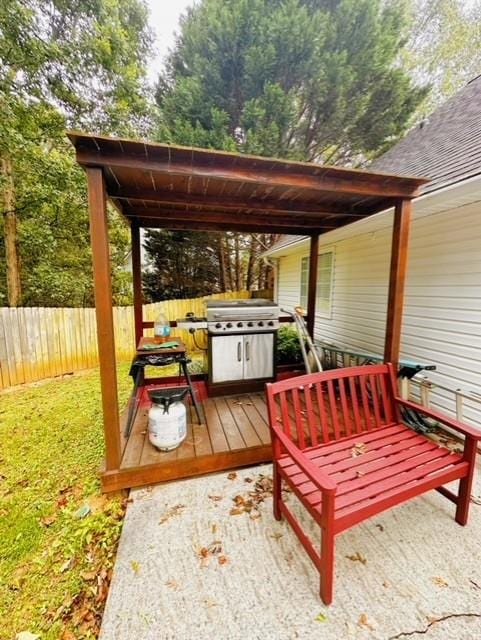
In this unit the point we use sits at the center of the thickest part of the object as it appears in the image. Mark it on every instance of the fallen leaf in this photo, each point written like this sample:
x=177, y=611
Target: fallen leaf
x=386, y=584
x=359, y=474
x=213, y=528
x=248, y=479
x=363, y=622
x=68, y=564
x=62, y=501
x=357, y=557
x=47, y=521
x=223, y=560
x=232, y=475
x=476, y=500
x=88, y=575
x=380, y=527
x=26, y=635
x=321, y=617
x=276, y=535
x=67, y=635
x=97, y=504
x=235, y=511
x=358, y=449
x=208, y=602
x=440, y=582
x=135, y=566
x=216, y=498
x=173, y=584
x=171, y=512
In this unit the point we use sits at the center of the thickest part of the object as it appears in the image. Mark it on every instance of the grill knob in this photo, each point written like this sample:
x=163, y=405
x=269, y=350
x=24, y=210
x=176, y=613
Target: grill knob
x=250, y=324
x=229, y=325
x=239, y=324
x=261, y=324
x=218, y=325
x=271, y=323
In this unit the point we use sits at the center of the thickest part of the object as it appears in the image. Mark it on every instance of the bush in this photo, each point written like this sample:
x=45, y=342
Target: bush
x=288, y=347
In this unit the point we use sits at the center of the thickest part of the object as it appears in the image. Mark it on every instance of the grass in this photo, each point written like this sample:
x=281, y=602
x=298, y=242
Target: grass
x=58, y=533
x=54, y=564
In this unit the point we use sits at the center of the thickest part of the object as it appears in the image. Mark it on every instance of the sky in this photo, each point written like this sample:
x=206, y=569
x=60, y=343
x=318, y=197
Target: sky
x=164, y=20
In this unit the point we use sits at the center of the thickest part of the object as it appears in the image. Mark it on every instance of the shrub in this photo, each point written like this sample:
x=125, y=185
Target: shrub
x=288, y=347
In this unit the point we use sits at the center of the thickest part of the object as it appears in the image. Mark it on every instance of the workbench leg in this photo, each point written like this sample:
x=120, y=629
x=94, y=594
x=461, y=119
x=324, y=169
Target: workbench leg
x=191, y=388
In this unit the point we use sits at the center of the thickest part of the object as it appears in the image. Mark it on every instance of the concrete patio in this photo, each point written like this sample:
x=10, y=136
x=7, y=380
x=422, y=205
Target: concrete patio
x=195, y=563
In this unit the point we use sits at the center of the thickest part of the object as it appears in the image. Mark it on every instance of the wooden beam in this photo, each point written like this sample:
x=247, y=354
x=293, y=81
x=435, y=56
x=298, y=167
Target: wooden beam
x=137, y=282
x=216, y=202
x=195, y=225
x=397, y=280
x=103, y=307
x=312, y=284
x=256, y=220
x=326, y=180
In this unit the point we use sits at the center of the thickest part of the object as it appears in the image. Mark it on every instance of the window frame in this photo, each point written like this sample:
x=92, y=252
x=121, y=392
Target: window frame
x=304, y=272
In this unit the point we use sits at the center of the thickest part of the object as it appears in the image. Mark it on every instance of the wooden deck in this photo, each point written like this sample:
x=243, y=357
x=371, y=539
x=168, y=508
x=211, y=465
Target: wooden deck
x=234, y=433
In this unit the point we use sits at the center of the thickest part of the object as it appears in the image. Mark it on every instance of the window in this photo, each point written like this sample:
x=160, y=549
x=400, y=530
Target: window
x=325, y=266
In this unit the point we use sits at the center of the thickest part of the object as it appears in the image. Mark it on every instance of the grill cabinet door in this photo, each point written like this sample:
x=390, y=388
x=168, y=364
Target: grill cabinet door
x=227, y=357
x=258, y=356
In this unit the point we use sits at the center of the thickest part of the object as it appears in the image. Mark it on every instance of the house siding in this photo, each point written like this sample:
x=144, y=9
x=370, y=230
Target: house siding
x=442, y=315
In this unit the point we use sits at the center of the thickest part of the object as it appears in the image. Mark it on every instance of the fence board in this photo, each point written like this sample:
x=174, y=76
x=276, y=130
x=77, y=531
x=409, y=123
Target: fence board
x=38, y=343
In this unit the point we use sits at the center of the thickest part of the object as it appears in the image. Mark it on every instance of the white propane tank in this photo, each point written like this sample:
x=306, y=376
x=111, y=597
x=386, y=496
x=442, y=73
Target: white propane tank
x=167, y=423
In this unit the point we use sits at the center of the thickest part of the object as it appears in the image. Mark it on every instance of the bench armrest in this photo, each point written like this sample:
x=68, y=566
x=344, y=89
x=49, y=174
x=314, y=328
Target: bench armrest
x=466, y=430
x=315, y=475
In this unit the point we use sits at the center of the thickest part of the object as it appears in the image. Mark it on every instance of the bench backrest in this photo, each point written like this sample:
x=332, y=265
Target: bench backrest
x=323, y=407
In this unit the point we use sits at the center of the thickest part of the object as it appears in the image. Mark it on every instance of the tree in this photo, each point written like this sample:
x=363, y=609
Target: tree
x=444, y=46
x=183, y=265
x=306, y=79
x=78, y=64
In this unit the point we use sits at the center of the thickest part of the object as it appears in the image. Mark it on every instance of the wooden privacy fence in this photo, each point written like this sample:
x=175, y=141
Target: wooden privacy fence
x=38, y=343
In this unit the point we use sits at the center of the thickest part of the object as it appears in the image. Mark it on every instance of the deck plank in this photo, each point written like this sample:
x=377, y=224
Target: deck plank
x=236, y=405
x=231, y=429
x=217, y=436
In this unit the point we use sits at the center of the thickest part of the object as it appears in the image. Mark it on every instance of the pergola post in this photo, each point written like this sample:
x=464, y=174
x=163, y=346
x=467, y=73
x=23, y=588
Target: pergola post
x=312, y=283
x=137, y=281
x=397, y=279
x=103, y=307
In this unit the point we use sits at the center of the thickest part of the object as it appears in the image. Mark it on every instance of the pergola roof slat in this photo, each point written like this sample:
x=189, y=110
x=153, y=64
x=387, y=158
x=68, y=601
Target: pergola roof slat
x=148, y=182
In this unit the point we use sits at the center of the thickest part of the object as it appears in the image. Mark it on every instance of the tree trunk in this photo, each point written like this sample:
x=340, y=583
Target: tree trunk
x=251, y=262
x=14, y=287
x=237, y=262
x=222, y=265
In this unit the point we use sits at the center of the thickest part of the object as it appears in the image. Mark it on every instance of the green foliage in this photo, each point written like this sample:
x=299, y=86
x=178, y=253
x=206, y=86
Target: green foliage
x=444, y=46
x=64, y=65
x=46, y=553
x=183, y=265
x=307, y=79
x=288, y=347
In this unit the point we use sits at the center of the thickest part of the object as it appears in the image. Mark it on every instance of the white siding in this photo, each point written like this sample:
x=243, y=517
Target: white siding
x=442, y=317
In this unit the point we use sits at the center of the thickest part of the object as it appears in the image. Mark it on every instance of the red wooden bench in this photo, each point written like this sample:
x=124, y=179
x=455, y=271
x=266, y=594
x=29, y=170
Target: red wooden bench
x=339, y=443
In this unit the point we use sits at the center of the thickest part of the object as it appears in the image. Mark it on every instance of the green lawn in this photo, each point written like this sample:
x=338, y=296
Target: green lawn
x=54, y=563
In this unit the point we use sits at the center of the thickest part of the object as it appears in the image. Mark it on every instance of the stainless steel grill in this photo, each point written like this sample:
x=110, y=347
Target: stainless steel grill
x=242, y=316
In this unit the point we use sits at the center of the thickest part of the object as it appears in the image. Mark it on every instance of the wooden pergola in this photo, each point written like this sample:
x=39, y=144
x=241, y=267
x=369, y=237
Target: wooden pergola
x=172, y=187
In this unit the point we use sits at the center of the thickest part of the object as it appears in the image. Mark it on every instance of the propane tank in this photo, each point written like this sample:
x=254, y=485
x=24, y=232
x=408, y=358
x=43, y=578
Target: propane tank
x=167, y=419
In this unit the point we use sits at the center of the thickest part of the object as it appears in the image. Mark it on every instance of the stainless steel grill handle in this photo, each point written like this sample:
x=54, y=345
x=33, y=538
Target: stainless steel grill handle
x=239, y=351
x=248, y=355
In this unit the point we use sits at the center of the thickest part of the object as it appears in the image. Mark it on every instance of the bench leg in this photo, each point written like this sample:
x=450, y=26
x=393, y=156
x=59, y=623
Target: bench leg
x=327, y=566
x=466, y=483
x=276, y=492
